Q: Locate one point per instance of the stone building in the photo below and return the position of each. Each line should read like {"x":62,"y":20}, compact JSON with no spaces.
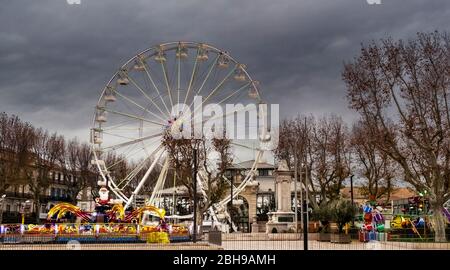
{"x":18,"y":195}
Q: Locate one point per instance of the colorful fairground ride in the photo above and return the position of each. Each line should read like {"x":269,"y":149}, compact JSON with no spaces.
{"x":412,"y":222}
{"x":109,"y":222}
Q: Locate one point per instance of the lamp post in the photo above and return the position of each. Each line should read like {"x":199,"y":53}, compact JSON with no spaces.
{"x":306,"y":218}
{"x":424,"y":210}
{"x":194,"y":180}
{"x":351,"y":195}
{"x":23,"y":211}
{"x":2,"y":199}
{"x":231,"y":190}
{"x":295,"y":188}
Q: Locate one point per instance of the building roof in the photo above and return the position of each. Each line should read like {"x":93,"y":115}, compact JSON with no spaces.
{"x":397,"y":193}
{"x":249,"y":163}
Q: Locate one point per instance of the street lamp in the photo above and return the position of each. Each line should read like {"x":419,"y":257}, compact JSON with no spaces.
{"x":23,"y":211}
{"x":424,"y":210}
{"x":194,"y":182}
{"x":351,"y":195}
{"x":1,"y":207}
{"x":295,"y":187}
{"x":306,"y":217}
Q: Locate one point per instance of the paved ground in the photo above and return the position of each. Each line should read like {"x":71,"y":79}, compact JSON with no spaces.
{"x":132,"y":246}
{"x":234,"y":245}
{"x":315,"y":245}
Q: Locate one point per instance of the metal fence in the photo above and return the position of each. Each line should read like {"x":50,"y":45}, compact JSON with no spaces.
{"x":356,"y":241}
{"x":131,"y":237}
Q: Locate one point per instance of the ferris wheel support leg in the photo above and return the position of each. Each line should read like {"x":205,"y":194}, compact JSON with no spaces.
{"x":144,"y":179}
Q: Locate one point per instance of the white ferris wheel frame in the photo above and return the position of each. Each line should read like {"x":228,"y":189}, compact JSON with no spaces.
{"x":102,"y":167}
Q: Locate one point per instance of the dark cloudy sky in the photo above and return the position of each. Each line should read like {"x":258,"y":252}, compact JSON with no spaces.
{"x":55,"y":58}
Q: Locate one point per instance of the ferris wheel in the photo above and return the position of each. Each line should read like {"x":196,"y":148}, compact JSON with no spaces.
{"x":136,"y":107}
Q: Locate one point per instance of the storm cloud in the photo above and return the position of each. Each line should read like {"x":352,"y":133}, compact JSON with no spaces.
{"x":55,"y":58}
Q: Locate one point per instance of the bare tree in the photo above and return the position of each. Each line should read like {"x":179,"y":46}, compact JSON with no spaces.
{"x":181,"y":153}
{"x":79,"y":173}
{"x":401,"y":90}
{"x":15,"y":145}
{"x":374,"y":167}
{"x":46,"y":150}
{"x":329,"y":148}
{"x":322,"y":150}
{"x":293,"y":138}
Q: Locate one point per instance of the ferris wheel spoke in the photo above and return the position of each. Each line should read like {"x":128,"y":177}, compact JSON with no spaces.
{"x":126,"y":156}
{"x":138,"y":105}
{"x":210,"y":69}
{"x":191,"y":80}
{"x":144,"y":178}
{"x":161,"y":181}
{"x":145,"y":94}
{"x":118,"y":136}
{"x":137,"y":169}
{"x":234,"y":93}
{"x":124,"y":183}
{"x":133,"y":116}
{"x":120,"y":145}
{"x":220,"y":84}
{"x":225,"y":99}
{"x":213,"y":64}
{"x":118,"y":126}
{"x":166,"y":80}
{"x":149,"y":76}
{"x":221,"y":116}
{"x":178,"y":79}
{"x":214,"y":90}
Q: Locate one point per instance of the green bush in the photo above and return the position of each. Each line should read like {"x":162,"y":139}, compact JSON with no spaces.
{"x":342,"y":212}
{"x":324,"y":215}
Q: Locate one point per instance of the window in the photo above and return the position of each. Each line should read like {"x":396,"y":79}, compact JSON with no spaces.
{"x":265,"y":172}
{"x":8,"y":208}
{"x":53,"y":192}
{"x":265,"y":202}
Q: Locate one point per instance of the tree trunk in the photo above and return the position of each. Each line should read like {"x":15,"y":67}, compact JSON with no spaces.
{"x":37,"y":203}
{"x":438,"y":221}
